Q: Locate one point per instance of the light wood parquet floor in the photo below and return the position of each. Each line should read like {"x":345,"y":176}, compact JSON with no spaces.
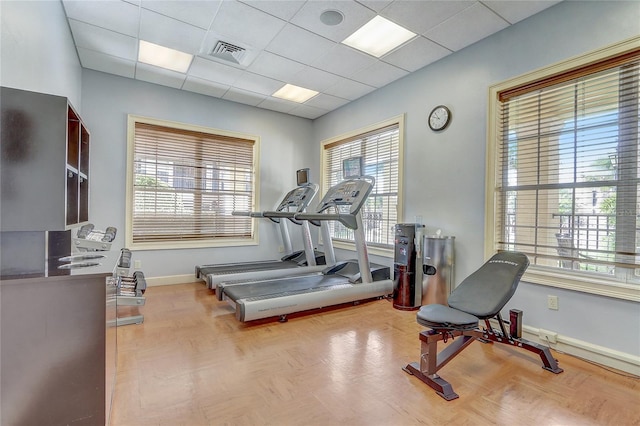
{"x":192,"y":363}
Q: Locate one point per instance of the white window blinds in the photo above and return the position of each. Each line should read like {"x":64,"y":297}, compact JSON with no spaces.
{"x":567,"y":168}
{"x":380,"y":149}
{"x":186,"y":184}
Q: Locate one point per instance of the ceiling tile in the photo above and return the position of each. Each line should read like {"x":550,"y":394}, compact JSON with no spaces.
{"x":298,"y":44}
{"x":278,"y":8}
{"x":467,"y":27}
{"x":157,"y":75}
{"x":204,"y":87}
{"x":275,"y":66}
{"x":355,"y":16}
{"x":116,"y":16}
{"x":326,"y":102}
{"x":421,"y":16}
{"x":516,"y":11}
{"x":343,"y":60}
{"x":275,"y":104}
{"x":257,"y":83}
{"x":416,"y":54}
{"x":199,"y":13}
{"x":104,"y":41}
{"x":243,"y":97}
{"x":244,"y":24}
{"x":349,"y":89}
{"x":162,"y":30}
{"x":110,"y":64}
{"x":376,"y":5}
{"x":314,"y":79}
{"x":307,"y":111}
{"x":380,"y":74}
{"x":214,"y":71}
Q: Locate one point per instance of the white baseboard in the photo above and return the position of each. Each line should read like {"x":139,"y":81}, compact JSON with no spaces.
{"x":597,"y":354}
{"x":171,"y":280}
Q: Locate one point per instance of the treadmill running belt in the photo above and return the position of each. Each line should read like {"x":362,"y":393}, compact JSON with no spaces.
{"x":264,"y":266}
{"x":264,"y":289}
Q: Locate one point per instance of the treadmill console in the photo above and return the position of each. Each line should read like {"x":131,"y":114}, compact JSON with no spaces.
{"x":298,"y":198}
{"x":350,"y":192}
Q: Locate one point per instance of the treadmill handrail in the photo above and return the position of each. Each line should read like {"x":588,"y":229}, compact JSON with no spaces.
{"x":254,"y":214}
{"x":288,"y":215}
{"x":250,"y":214}
{"x":347,"y":219}
{"x":281,"y":214}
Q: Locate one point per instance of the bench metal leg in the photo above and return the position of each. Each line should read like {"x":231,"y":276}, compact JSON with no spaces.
{"x":431,"y":361}
{"x":441,"y":386}
{"x":548,"y":361}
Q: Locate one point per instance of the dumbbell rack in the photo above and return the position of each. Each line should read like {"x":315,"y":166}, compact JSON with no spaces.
{"x":90,"y":239}
{"x":130,"y":292}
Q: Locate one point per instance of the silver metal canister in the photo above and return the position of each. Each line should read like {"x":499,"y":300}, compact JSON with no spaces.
{"x":437,"y":265}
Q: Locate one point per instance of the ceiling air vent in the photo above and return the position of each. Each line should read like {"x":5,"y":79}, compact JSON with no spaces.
{"x":228,"y":52}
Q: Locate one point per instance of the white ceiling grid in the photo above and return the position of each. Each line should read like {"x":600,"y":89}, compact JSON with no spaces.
{"x":285,"y":42}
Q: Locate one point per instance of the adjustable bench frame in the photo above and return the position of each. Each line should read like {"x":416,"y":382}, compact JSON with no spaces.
{"x":431,"y":361}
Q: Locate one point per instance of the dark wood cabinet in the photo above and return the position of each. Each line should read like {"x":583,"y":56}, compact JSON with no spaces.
{"x":57,"y":326}
{"x":54,"y":350}
{"x":45,"y":163}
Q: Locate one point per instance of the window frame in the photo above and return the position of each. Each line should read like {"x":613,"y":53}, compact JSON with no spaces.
{"x":353,"y":134}
{"x":193,"y":243}
{"x":571,"y":280}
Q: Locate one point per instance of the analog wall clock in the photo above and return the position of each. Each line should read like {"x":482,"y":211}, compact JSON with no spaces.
{"x":439,"y":118}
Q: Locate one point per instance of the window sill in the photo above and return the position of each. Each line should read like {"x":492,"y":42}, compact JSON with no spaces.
{"x":175,"y":245}
{"x":376,"y":251}
{"x":603,"y":286}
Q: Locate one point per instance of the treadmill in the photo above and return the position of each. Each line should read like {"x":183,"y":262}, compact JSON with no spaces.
{"x":304,"y":261}
{"x":344,"y":282}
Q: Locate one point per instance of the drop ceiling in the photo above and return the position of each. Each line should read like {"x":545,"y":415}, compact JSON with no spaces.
{"x":281,"y":41}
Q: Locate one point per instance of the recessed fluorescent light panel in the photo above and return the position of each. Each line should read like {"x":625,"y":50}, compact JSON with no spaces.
{"x":164,"y":57}
{"x":295,"y":93}
{"x":378,"y":36}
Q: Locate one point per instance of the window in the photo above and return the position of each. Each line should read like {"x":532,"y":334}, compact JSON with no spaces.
{"x":564,"y":178}
{"x":184,"y":182}
{"x":381,"y":147}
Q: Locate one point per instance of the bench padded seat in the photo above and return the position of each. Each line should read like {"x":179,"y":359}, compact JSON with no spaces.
{"x":443,"y":317}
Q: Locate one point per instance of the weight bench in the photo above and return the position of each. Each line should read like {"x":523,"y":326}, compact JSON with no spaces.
{"x":480,"y":296}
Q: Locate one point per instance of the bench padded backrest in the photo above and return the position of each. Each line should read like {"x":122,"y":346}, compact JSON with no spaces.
{"x":485,"y":292}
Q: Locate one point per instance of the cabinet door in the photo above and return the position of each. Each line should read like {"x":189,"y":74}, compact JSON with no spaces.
{"x":53,"y":351}
{"x":33,"y":162}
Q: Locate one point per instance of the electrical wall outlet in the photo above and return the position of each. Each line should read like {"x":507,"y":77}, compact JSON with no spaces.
{"x":280,"y":249}
{"x":547,"y":336}
{"x":552,"y":302}
{"x":137,"y":264}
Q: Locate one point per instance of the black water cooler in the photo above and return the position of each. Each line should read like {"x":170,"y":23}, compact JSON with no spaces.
{"x":406,"y":287}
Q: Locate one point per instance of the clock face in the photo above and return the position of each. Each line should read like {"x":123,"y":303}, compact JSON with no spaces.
{"x":439,"y":118}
